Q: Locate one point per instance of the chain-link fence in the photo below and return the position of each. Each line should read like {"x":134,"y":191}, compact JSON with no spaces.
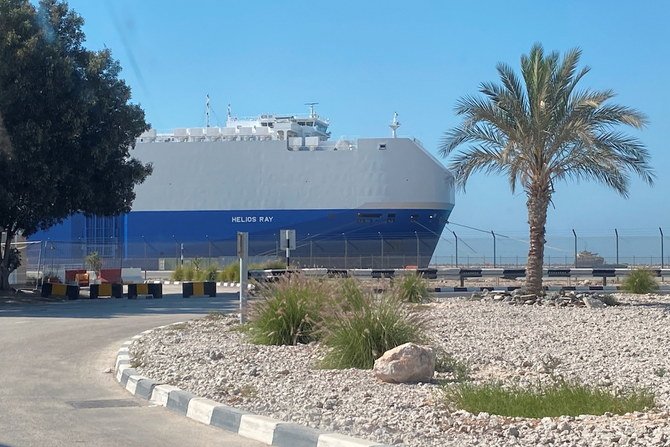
{"x":620,"y":248}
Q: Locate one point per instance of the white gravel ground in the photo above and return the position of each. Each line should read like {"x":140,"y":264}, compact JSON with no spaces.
{"x":616,"y":348}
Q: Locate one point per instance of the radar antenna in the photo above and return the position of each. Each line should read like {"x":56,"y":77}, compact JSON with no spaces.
{"x":311,"y":108}
{"x":394,"y":124}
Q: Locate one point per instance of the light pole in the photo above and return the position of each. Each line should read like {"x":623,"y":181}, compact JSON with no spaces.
{"x":311,"y":259}
{"x":345,"y":249}
{"x":417,"y":249}
{"x":382,"y":248}
{"x":145,"y":257}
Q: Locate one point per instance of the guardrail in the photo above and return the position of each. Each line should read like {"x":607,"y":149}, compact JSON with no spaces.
{"x":453,"y":273}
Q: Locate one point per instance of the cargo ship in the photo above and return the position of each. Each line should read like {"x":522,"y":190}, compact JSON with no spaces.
{"x":365,"y":203}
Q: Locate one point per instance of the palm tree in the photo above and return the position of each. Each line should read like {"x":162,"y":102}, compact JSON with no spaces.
{"x":542,"y":129}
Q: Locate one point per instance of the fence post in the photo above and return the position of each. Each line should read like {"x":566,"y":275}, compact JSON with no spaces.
{"x":417,"y":249}
{"x":661,"y":231}
{"x":616,"y":235}
{"x":456,"y":239}
{"x":575,"y":235}
{"x":494,"y":248}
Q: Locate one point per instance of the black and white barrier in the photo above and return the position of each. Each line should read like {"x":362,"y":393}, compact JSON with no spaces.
{"x":453,"y":273}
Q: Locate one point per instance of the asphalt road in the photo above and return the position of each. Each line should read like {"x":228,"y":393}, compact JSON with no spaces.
{"x":53,"y":388}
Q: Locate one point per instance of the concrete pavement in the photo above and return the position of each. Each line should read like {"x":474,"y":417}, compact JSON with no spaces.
{"x":53,"y":391}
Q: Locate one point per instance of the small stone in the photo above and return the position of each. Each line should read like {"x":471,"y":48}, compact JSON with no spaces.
{"x":513,"y":431}
{"x":564,"y":427}
{"x":108,"y":371}
{"x":592,"y":303}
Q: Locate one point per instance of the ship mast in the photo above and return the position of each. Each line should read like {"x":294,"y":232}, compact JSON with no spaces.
{"x":311,"y":108}
{"x":394,"y":124}
{"x":207,"y":110}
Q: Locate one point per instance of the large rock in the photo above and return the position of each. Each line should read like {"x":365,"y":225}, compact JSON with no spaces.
{"x":406,"y":363}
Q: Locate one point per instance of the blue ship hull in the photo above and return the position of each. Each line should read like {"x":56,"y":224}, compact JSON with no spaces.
{"x":371,"y":238}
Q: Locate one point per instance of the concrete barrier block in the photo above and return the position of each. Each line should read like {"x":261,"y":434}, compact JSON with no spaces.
{"x":294,"y":435}
{"x":161,"y":393}
{"x":228,"y":418}
{"x":145,"y":388}
{"x":132,"y":382}
{"x":337,"y":440}
{"x":178,"y":401}
{"x":200,"y":409}
{"x":259,"y":428}
{"x":121,"y":367}
{"x":125,"y":375}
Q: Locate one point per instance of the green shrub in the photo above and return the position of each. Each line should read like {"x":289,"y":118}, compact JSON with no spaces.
{"x":290,"y":313}
{"x":362,"y":326}
{"x":189,"y":273}
{"x":445,"y":363}
{"x":230,"y":273}
{"x":640,"y":281}
{"x":211,"y":273}
{"x":559,"y":399}
{"x":178,"y":274}
{"x":412,"y":289}
{"x":94,"y":261}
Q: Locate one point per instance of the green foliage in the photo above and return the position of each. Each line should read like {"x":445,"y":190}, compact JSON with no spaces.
{"x":290,"y":312}
{"x":189,"y":273}
{"x":640,"y":281}
{"x":559,"y":399}
{"x":445,"y":363}
{"x":94,"y":261}
{"x":211,"y":273}
{"x":178,"y":274}
{"x":66,"y":123}
{"x":14,"y":260}
{"x":413,"y":289}
{"x":539,"y":129}
{"x":361,"y":326}
{"x":609,"y":300}
{"x":230,"y":273}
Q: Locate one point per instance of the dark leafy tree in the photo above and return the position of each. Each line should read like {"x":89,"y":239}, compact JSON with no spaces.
{"x":66,"y":124}
{"x":539,"y":130}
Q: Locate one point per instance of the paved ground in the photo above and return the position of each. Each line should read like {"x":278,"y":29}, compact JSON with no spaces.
{"x":53,"y":391}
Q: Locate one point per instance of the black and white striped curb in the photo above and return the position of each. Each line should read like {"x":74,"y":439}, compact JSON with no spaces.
{"x":260,"y":428}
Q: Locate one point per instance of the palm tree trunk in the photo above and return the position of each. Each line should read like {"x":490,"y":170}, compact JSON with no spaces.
{"x":537,"y":204}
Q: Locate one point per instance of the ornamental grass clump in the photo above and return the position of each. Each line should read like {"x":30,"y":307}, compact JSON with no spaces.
{"x":290,"y":313}
{"x":361,"y":326}
{"x":413,"y":289}
{"x":640,"y":281}
{"x":178,"y":274}
{"x":558,"y":399}
{"x":210,"y":273}
{"x":230,"y":273}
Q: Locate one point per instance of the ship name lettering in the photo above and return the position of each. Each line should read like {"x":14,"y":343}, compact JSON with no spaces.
{"x":252,"y":219}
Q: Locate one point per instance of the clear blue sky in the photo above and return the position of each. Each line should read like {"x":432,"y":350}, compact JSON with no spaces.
{"x":364,"y":60}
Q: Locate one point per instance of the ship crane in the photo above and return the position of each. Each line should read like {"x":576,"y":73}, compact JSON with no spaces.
{"x":394,"y":125}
